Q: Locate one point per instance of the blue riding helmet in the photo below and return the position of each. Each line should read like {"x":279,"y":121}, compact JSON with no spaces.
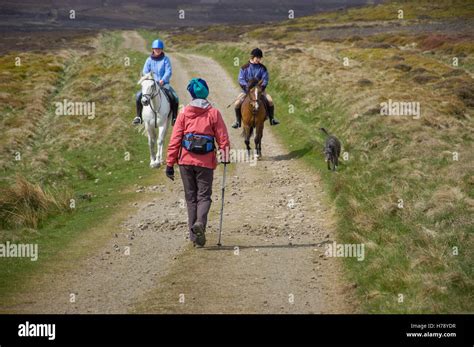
{"x":158,"y":44}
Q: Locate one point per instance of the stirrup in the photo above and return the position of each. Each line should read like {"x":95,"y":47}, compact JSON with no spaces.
{"x":137,"y":121}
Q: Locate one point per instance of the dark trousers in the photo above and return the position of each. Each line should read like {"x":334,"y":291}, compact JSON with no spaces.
{"x":138,"y":103}
{"x":197,"y":183}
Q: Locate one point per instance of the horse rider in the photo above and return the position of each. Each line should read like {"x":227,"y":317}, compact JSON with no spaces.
{"x":254,"y":69}
{"x":160,"y":65}
{"x":199,"y":127}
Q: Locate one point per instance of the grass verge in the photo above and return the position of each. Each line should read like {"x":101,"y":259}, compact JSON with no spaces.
{"x":87,"y":167}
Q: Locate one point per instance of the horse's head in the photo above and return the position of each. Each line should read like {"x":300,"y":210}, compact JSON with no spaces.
{"x":255,"y":92}
{"x":149,"y":88}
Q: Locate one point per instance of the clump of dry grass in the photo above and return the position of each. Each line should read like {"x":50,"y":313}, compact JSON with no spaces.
{"x":23,"y":104}
{"x":444,"y":199}
{"x":25,"y":204}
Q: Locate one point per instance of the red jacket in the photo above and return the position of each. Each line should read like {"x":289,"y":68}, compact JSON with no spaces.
{"x":196,"y":120}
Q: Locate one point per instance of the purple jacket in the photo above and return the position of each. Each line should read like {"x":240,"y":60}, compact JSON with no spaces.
{"x":253,"y":71}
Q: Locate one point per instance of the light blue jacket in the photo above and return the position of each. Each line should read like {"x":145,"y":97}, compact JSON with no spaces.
{"x":161,"y":67}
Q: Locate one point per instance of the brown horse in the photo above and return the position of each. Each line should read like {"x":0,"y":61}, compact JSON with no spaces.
{"x":253,"y":116}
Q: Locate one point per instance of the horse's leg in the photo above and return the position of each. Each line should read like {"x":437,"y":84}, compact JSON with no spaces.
{"x":161,"y":140}
{"x":152,"y":143}
{"x":258,"y":140}
{"x":256,"y":146}
{"x":247,"y":138}
{"x":247,"y":143}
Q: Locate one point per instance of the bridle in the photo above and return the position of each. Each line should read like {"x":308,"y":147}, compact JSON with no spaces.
{"x":155,"y":91}
{"x":254,"y":102}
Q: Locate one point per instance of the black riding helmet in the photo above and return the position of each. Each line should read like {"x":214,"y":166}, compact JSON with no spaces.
{"x":256,"y":52}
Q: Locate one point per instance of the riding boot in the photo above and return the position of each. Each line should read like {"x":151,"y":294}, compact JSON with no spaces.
{"x":174,"y":112}
{"x":238,"y":119}
{"x":138,"y":118}
{"x":273,"y":120}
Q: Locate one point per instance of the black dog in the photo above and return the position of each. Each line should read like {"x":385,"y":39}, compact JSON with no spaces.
{"x":332,"y":150}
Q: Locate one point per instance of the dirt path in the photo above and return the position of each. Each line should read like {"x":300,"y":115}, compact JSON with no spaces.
{"x":133,"y":40}
{"x":275,"y":228}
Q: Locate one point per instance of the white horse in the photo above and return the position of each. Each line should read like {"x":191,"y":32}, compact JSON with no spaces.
{"x":156,"y":108}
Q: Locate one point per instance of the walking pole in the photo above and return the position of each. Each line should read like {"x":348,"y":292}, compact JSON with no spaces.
{"x":222,"y":206}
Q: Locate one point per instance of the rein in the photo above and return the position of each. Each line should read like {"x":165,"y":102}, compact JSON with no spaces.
{"x":257,"y":100}
{"x":155,"y":92}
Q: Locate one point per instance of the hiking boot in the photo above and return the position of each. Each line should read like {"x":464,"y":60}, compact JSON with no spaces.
{"x":238,"y":119}
{"x":137,"y":120}
{"x":273,"y":120}
{"x":200,"y":232}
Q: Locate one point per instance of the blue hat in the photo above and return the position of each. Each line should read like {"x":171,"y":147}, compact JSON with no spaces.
{"x":158,"y":44}
{"x":198,"y":88}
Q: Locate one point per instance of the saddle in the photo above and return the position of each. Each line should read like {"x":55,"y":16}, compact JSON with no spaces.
{"x":170,"y":98}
